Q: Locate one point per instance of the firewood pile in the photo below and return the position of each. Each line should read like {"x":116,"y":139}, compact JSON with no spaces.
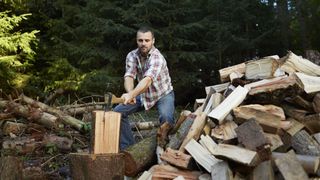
{"x":261,"y":122}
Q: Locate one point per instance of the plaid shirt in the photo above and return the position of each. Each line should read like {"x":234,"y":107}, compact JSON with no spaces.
{"x":155,"y":67}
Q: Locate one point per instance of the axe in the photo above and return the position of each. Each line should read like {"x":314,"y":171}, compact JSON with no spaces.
{"x":110,"y":99}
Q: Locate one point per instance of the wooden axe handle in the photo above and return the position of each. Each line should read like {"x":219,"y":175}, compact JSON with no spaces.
{"x":116,"y":100}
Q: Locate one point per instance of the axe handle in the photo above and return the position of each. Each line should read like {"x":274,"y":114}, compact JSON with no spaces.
{"x":116,"y":100}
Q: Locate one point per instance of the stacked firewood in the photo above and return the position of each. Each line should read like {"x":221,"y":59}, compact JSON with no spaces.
{"x":262,"y":122}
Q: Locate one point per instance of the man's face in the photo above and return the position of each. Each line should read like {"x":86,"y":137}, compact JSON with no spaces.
{"x":145,"y":42}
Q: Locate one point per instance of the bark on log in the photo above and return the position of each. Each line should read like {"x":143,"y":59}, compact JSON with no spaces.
{"x":178,"y":159}
{"x":13,"y":127}
{"x":97,"y":166}
{"x":10,"y":168}
{"x":177,"y":138}
{"x":61,"y":143}
{"x":183,"y":116}
{"x":5,"y":116}
{"x":69,"y":120}
{"x":304,"y":144}
{"x":140,"y":156}
{"x":316,"y":103}
{"x":36,"y":115}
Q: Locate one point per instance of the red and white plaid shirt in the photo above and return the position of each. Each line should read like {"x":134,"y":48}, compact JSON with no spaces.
{"x":155,"y":67}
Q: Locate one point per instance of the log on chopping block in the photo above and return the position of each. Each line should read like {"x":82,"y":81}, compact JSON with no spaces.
{"x":178,"y":158}
{"x":177,"y":138}
{"x":140,"y":156}
{"x":251,"y":135}
{"x":309,"y":163}
{"x":106,"y":132}
{"x":97,"y":166}
{"x":290,"y":167}
{"x":263,"y":171}
{"x":304,"y":144}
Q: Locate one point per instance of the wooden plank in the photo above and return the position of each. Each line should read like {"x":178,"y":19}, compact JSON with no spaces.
{"x":97,"y":166}
{"x":290,"y":167}
{"x":221,"y":171}
{"x":201,"y":155}
{"x":263,"y":171}
{"x":225,"y":72}
{"x":233,"y":100}
{"x":232,"y":152}
{"x":106,"y":132}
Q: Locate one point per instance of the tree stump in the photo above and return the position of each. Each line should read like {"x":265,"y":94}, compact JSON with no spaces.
{"x":97,"y":166}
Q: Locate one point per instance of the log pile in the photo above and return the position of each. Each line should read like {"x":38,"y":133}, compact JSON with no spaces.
{"x":263,"y":121}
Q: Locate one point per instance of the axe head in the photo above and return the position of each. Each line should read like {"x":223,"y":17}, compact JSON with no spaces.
{"x":110,"y":99}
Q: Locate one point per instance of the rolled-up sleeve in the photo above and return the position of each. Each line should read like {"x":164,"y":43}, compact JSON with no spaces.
{"x":154,"y":67}
{"x":131,"y":66}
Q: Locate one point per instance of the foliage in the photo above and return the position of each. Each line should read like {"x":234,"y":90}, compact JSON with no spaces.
{"x":16,"y":53}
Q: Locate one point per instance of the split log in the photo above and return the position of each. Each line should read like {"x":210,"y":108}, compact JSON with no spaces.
{"x":317,"y":137}
{"x":183,"y":116}
{"x":251,"y":135}
{"x":233,"y":100}
{"x":286,"y":139}
{"x":178,"y":158}
{"x":275,"y":141}
{"x":11,"y":168}
{"x":106,"y":132}
{"x":308,"y":83}
{"x":309,"y":163}
{"x":304,"y":144}
{"x":269,"y":122}
{"x":13,"y":127}
{"x":213,"y":102}
{"x":177,"y":138}
{"x":195,"y":130}
{"x":300,"y":101}
{"x":316,"y":103}
{"x":290,"y":167}
{"x":161,"y":172}
{"x":263,"y":171}
{"x":201,"y":155}
{"x":217,"y":88}
{"x":69,"y":120}
{"x":294,"y":63}
{"x":225,"y":132}
{"x":140,"y":156}
{"x":295,"y":126}
{"x":36,"y":115}
{"x":232,"y":152}
{"x":221,"y":171}
{"x":97,"y":166}
{"x":163,"y":134}
{"x":261,"y":69}
{"x":198,"y":103}
{"x":225,"y":72}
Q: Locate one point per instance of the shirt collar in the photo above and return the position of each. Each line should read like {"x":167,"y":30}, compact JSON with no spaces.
{"x":150,"y":52}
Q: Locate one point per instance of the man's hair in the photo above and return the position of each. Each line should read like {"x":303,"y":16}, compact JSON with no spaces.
{"x":145,"y":29}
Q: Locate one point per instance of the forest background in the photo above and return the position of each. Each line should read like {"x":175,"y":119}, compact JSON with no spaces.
{"x":79,"y":46}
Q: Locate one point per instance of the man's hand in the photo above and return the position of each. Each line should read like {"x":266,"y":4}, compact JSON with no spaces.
{"x":128,"y":98}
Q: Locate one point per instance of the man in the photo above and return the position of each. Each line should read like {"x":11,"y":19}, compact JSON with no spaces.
{"x":149,"y":67}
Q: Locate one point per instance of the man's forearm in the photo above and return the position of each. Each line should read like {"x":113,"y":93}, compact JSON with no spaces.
{"x":141,"y":87}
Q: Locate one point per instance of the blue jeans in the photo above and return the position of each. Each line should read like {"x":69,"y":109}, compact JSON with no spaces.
{"x":165,"y":106}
